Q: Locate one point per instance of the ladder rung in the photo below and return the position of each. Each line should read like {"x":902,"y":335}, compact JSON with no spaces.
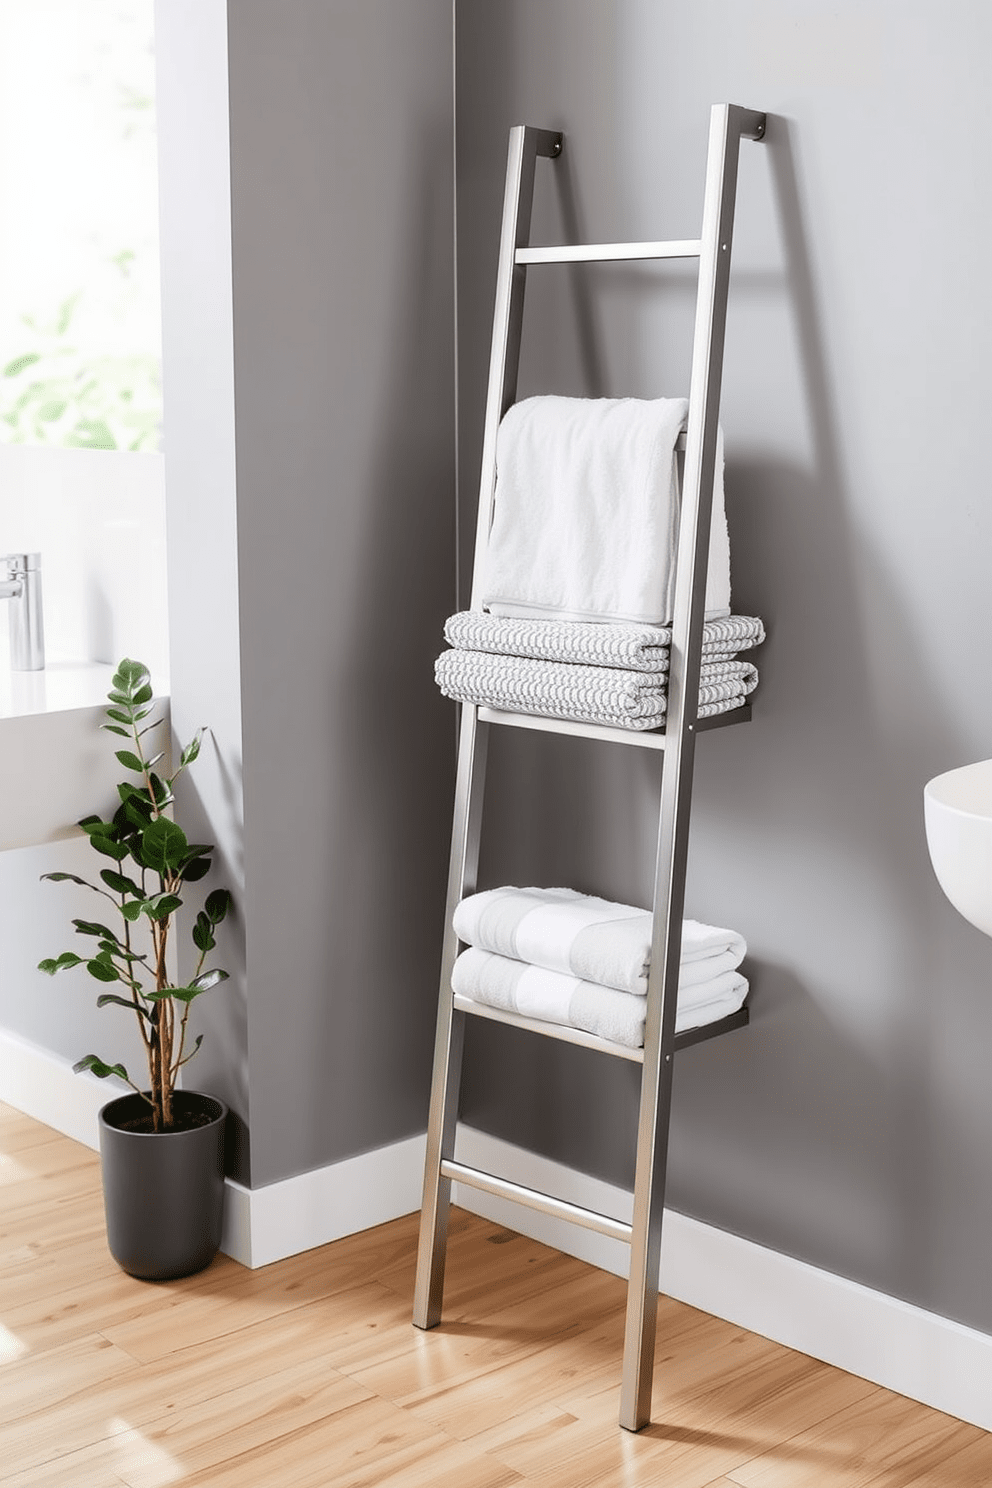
{"x":608,"y":252}
{"x":558,"y":1208}
{"x":549,"y":1030}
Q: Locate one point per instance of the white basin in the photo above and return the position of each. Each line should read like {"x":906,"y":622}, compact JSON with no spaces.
{"x":957,"y":809}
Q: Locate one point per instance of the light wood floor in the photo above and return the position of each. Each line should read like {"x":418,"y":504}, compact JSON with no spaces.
{"x":308,"y":1373}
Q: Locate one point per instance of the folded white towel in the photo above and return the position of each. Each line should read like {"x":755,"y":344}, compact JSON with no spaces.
{"x":535,"y":992}
{"x":640,"y":648}
{"x":585,"y":694}
{"x":583,"y":936}
{"x":587,"y":508}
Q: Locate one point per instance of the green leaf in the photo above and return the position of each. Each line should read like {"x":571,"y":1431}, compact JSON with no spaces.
{"x":209,"y":979}
{"x":161,"y":906}
{"x":144,"y":694}
{"x":91,"y":824}
{"x":202,"y":934}
{"x":93,"y":927}
{"x":101,"y":1070}
{"x":164,"y":845}
{"x":191,"y":751}
{"x":116,"y":850}
{"x":180,"y":994}
{"x":52,"y":409}
{"x":72,"y":878}
{"x":62,"y":963}
{"x":112,"y":728}
{"x":101,"y":968}
{"x":196,"y":869}
{"x":114,"y":948}
{"x":160,"y":791}
{"x":123,"y":1002}
{"x":19,"y":364}
{"x":196,"y":849}
{"x":132,"y":910}
{"x":120,"y":883}
{"x":130,"y":675}
{"x":217,"y":905}
{"x":137,"y":811}
{"x":118,"y":716}
{"x":129,"y":760}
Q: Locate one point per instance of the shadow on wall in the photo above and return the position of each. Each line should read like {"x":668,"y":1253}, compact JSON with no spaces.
{"x":221,"y":1063}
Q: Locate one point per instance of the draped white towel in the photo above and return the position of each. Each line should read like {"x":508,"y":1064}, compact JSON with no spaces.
{"x":552,"y":997}
{"x":586,"y":513}
{"x":585,"y":937}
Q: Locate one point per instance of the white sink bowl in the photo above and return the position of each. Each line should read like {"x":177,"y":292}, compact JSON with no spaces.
{"x":957,"y":810}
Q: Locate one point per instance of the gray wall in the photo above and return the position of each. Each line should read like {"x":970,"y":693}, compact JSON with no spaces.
{"x":341,"y":189}
{"x":307,"y":263}
{"x":849,"y":1124}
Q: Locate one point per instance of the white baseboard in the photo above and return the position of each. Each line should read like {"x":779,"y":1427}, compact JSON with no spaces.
{"x":267,"y":1224}
{"x":916,"y":1353}
{"x":42,"y":1085}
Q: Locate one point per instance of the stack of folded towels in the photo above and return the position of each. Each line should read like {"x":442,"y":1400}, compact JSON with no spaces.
{"x":579,"y":577}
{"x":573,"y":959}
{"x":613,"y":674}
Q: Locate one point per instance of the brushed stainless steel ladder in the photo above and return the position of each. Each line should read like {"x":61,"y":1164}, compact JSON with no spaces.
{"x":729,"y":124}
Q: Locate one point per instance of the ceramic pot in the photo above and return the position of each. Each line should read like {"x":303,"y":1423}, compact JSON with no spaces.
{"x":163,"y":1192}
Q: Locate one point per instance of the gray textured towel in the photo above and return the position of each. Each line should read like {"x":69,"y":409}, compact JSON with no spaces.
{"x":614,"y":696}
{"x":639,"y":648}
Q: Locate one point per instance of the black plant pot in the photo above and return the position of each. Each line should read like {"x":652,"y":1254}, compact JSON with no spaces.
{"x":163,"y":1191}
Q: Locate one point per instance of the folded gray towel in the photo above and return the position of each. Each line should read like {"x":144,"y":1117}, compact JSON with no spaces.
{"x":587,"y":694}
{"x":641,"y":648}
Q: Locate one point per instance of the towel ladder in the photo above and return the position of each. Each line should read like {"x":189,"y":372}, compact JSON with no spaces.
{"x":728,"y":126}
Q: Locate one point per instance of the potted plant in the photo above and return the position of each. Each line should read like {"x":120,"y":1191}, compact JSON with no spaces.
{"x":162,"y":1148}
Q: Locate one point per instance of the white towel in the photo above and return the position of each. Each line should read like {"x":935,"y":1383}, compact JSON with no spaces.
{"x":587,"y":508}
{"x":585,"y":937}
{"x":551,"y":997}
{"x":639,"y":648}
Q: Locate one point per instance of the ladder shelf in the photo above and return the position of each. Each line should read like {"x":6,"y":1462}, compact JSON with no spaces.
{"x":642,"y":738}
{"x":569,"y":1035}
{"x":728,"y":126}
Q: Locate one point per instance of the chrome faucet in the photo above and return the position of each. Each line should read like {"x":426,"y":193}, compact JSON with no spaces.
{"x":20,"y":582}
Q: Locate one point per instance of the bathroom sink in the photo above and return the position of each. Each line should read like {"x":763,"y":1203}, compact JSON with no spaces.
{"x":957,"y":809}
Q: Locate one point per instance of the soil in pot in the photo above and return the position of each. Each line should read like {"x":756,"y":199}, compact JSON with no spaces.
{"x":163,"y":1191}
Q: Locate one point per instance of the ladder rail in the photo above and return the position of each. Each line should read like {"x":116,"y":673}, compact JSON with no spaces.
{"x":450,"y":1035}
{"x":525,"y":146}
{"x":728,"y":124}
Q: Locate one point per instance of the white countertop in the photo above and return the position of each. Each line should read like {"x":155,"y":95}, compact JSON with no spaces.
{"x":56,"y":763}
{"x":61,"y":687}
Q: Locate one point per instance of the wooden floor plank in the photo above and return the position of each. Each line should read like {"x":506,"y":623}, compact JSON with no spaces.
{"x":880,"y":1438}
{"x":309,"y":1372}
